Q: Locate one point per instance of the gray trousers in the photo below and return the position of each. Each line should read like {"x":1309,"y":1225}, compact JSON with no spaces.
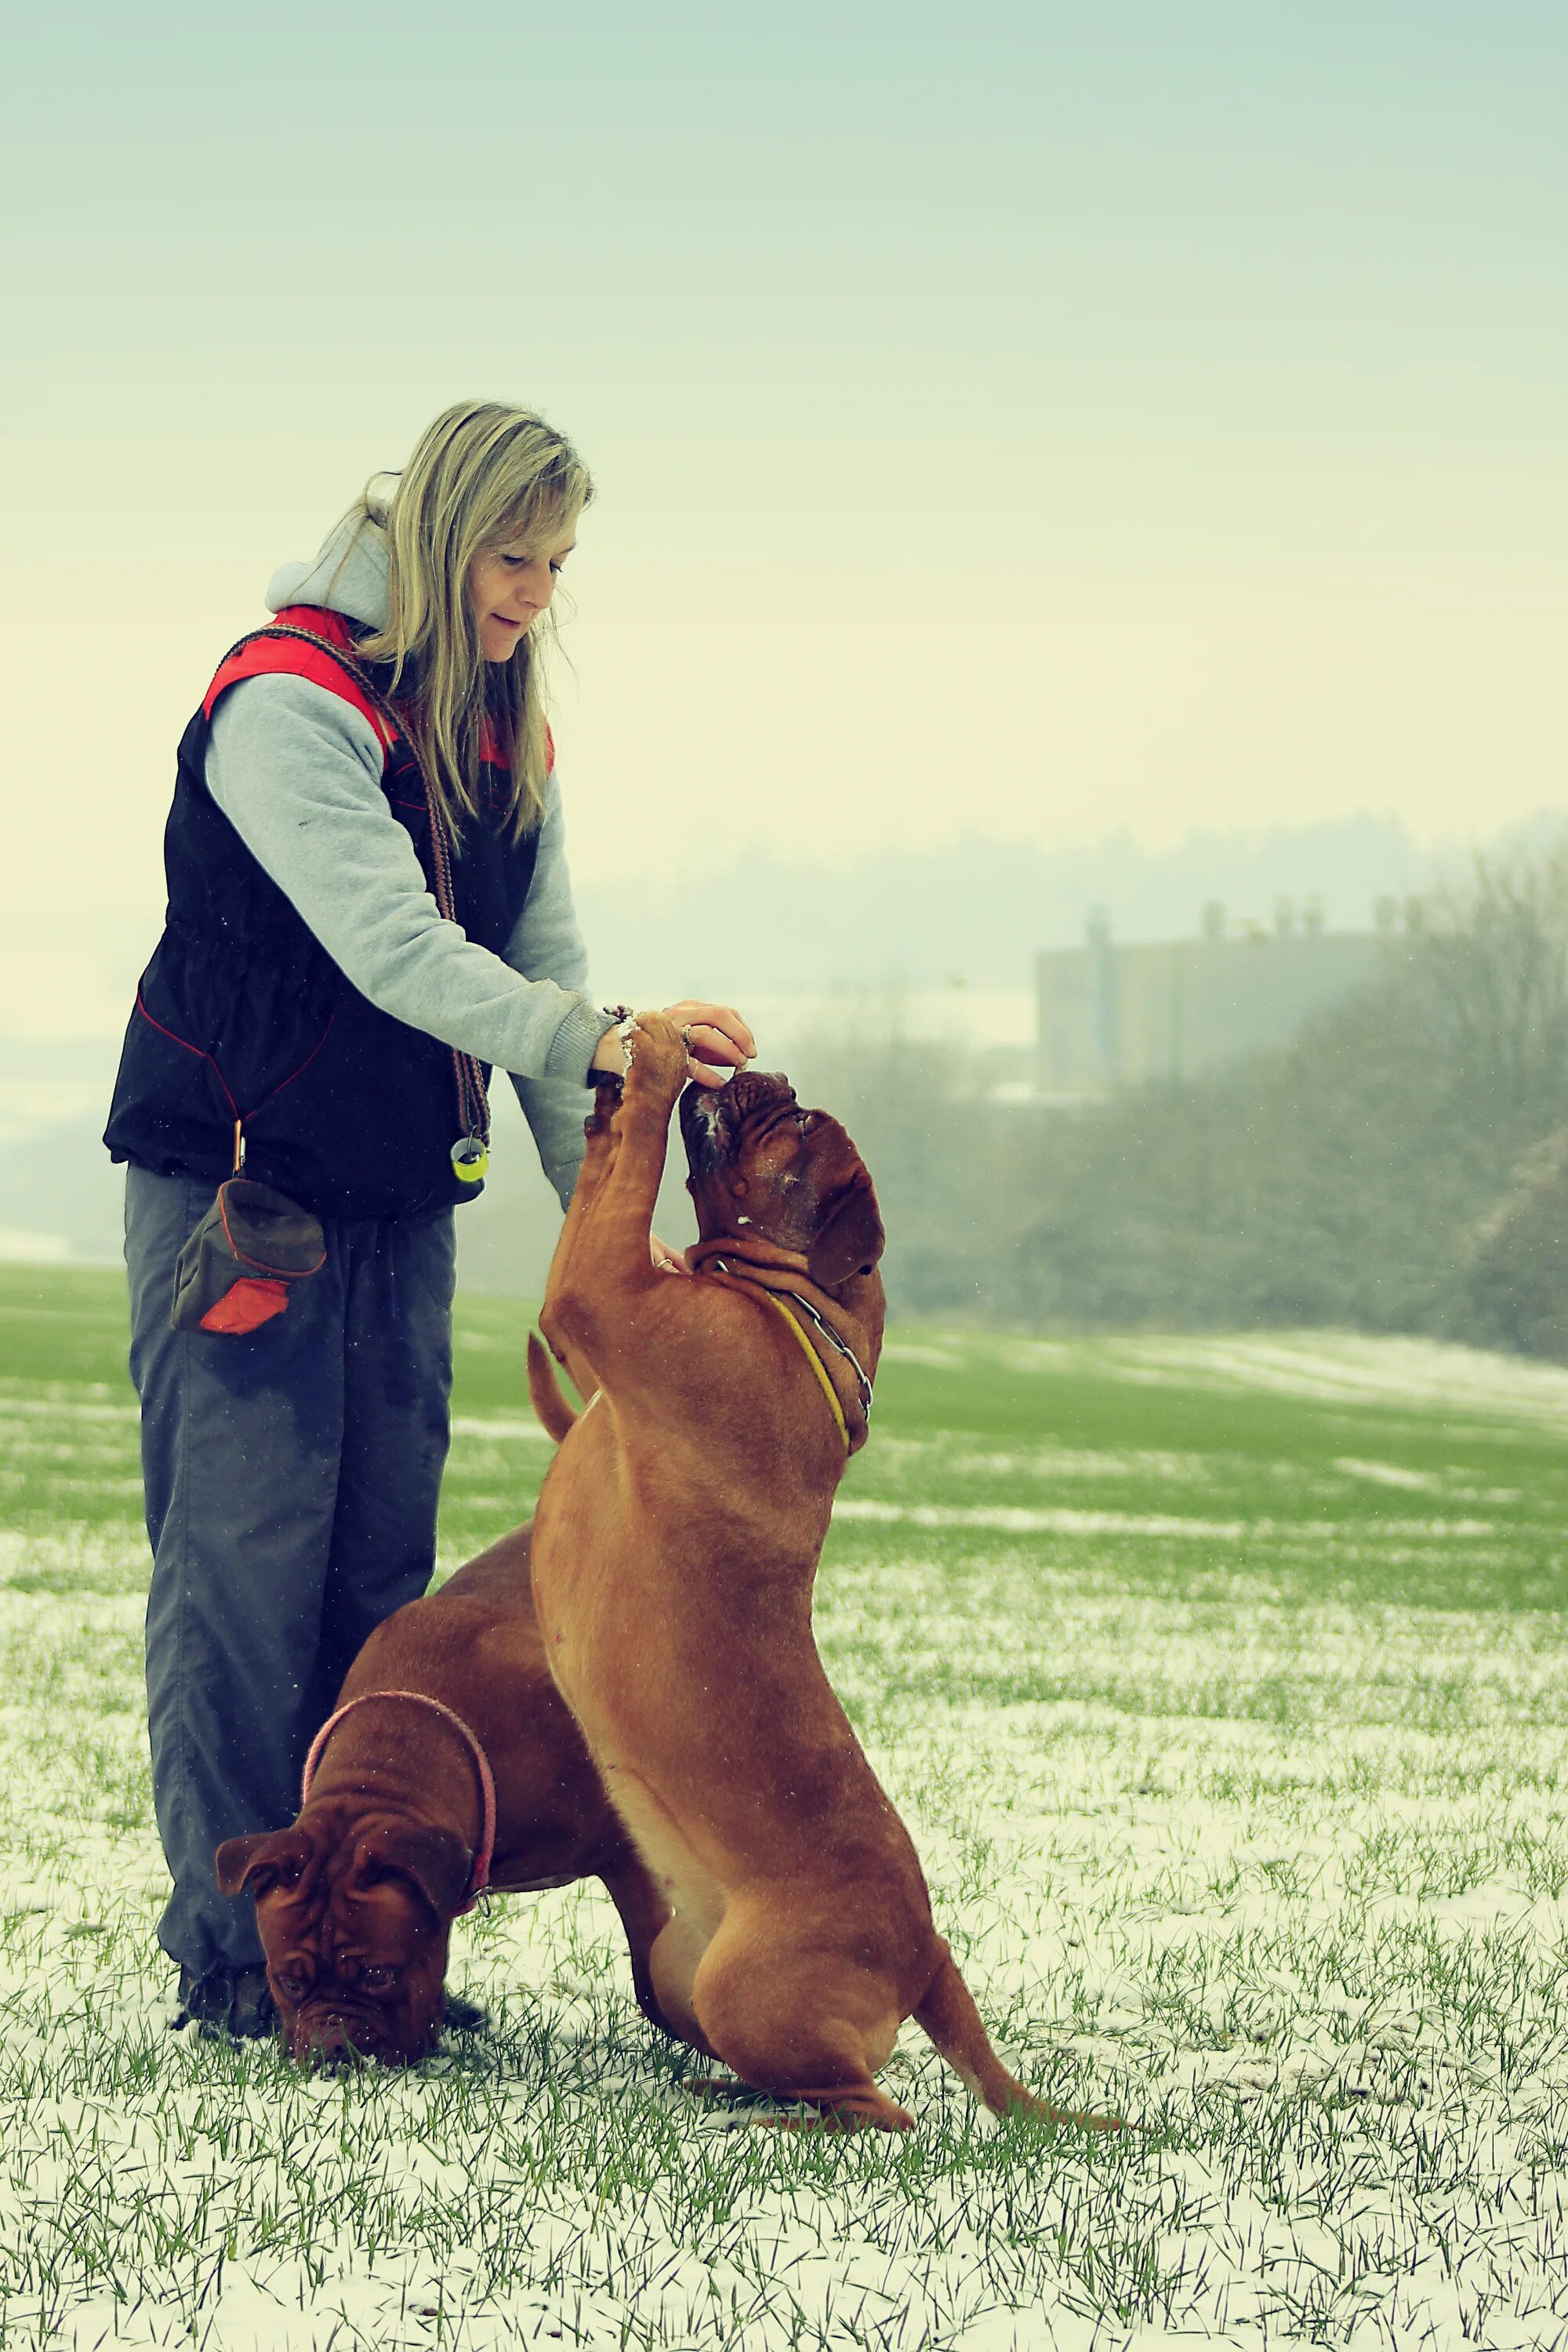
{"x":292,"y":1477}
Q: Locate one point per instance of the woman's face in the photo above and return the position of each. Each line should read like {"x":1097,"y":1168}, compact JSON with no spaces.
{"x":508,"y":587}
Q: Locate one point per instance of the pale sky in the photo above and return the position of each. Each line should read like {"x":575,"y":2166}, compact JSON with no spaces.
{"x":1031,"y":419}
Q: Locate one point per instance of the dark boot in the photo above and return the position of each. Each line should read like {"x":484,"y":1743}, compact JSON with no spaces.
{"x":226,"y":2005}
{"x":461,"y":2016}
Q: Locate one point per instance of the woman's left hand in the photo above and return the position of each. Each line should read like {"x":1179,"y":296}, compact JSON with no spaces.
{"x":718,"y":1042}
{"x":665,"y":1259}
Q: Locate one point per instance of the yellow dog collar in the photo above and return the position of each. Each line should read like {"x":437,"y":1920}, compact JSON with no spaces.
{"x":815,"y":1361}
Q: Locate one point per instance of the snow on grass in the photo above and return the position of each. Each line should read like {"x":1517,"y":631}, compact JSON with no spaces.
{"x":1349,"y":1366}
{"x":919,"y":1455}
{"x":1016,"y":1519}
{"x":1251,"y":1826}
{"x":1390,"y":1474}
{"x":513,"y":1428}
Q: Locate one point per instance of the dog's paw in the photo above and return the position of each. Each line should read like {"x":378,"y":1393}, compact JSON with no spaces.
{"x":657,"y":1052}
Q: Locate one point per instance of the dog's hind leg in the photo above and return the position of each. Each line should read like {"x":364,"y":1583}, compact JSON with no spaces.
{"x":644,"y":1915}
{"x":836,"y":2110}
{"x":673,"y":1958}
{"x":948,"y":2015}
{"x":807,"y":2027}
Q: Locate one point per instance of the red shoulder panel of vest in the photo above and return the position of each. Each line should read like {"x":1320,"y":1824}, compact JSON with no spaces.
{"x":291,"y":657}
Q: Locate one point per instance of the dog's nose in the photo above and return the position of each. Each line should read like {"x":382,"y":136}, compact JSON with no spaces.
{"x":331,"y":2043}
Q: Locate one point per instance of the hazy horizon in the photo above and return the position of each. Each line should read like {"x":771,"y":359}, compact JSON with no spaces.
{"x":970,"y":913}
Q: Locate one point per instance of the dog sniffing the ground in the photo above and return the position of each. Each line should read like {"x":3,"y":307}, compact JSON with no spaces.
{"x":448,"y":1700}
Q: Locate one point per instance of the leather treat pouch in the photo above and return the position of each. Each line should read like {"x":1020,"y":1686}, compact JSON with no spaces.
{"x":238,"y":1266}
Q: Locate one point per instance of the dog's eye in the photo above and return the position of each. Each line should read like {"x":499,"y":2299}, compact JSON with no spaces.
{"x":291,"y":1984}
{"x":378,"y":1979}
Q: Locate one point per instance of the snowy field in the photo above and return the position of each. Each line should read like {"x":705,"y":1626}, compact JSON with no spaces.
{"x":1223,"y":1683}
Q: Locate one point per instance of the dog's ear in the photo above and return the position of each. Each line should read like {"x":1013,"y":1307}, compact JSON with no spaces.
{"x":437,"y":1862}
{"x":254,"y":1865}
{"x":849,"y":1239}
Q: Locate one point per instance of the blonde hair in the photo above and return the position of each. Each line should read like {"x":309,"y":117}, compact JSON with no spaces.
{"x":483,"y":477}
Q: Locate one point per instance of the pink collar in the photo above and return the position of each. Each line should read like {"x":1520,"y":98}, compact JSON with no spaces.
{"x":480,"y":1876}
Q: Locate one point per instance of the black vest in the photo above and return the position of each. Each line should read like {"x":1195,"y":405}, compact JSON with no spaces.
{"x":242,"y":1019}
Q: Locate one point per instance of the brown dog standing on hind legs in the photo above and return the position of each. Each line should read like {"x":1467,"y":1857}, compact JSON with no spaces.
{"x":675,"y":1542}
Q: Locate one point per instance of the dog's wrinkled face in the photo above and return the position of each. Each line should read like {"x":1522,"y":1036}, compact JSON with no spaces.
{"x":355,"y":1918}
{"x":760,"y":1162}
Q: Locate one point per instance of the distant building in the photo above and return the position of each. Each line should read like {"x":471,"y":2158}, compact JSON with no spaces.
{"x":1112,"y":1015}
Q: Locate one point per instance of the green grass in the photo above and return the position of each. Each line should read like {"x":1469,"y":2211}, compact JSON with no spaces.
{"x":1223,"y":1685}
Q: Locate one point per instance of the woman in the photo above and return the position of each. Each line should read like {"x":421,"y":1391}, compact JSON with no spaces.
{"x":368,"y":900}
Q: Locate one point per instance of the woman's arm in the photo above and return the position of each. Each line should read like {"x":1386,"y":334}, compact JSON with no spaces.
{"x":296,"y":770}
{"x":547,"y":944}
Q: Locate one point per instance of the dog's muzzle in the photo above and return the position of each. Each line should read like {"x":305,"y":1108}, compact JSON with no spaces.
{"x":712,"y":1118}
{"x":339,"y":2034}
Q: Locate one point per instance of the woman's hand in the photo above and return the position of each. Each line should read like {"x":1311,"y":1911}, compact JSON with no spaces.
{"x":718,"y":1042}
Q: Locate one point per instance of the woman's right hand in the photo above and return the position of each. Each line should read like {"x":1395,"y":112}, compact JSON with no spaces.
{"x":718,"y":1043}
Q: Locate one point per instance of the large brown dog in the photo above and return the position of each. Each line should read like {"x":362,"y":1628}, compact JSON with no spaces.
{"x":356,"y":1902}
{"x":675,"y":1542}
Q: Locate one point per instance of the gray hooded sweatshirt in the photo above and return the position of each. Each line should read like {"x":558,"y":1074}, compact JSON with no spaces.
{"x":296,"y":771}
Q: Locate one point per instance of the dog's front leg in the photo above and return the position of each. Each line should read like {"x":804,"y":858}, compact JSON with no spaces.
{"x":596,"y":1158}
{"x":608,"y":1269}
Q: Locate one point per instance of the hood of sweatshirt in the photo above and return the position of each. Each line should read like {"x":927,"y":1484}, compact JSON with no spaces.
{"x":348,"y":576}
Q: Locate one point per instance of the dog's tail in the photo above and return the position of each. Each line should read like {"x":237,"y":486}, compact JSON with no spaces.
{"x":545,"y":1391}
{"x":949,"y":2016}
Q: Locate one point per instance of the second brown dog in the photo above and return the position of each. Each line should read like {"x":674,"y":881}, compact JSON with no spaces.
{"x":355,"y":1900}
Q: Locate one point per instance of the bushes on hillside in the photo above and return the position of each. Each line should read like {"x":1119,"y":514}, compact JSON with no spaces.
{"x":1401,"y":1166}
{"x":1519,"y":1256}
